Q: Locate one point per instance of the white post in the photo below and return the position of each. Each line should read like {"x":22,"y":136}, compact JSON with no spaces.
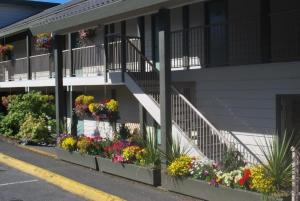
{"x":295,"y":175}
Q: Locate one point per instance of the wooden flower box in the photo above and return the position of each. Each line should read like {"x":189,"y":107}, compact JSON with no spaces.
{"x":77,"y":158}
{"x":203,"y":190}
{"x":130,"y":171}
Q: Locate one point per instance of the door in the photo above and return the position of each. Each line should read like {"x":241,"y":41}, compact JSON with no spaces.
{"x":216,"y":30}
{"x":290,"y":114}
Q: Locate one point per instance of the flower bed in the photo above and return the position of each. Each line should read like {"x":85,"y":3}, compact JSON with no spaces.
{"x":134,"y":172}
{"x":77,"y":158}
{"x":228,"y":179}
{"x":203,"y":190}
{"x":131,"y":157}
{"x":81,"y":150}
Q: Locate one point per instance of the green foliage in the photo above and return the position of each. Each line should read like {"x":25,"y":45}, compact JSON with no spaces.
{"x":176,"y":151}
{"x":20,"y":106}
{"x":34,"y":130}
{"x":124,"y":133}
{"x":278,"y":165}
{"x":152,"y":154}
{"x":232,"y":160}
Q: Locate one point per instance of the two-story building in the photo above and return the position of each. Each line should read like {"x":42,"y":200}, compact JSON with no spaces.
{"x":218,"y":73}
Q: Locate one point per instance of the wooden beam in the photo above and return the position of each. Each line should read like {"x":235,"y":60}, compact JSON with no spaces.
{"x":141,"y":27}
{"x":28,"y":54}
{"x":123,"y":49}
{"x":186,"y":35}
{"x":165,"y":80}
{"x":70,"y":57}
{"x":106,"y":52}
{"x":59,"y":90}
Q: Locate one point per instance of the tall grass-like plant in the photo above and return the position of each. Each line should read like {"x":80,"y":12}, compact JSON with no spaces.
{"x":176,"y":151}
{"x":278,"y":161}
{"x":152,"y":156}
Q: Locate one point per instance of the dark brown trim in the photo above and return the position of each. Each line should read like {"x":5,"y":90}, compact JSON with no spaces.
{"x":265,"y":27}
{"x":186,"y":35}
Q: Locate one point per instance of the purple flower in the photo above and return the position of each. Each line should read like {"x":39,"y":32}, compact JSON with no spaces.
{"x":205,"y":173}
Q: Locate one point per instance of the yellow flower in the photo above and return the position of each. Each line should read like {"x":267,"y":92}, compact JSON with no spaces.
{"x":88,"y":100}
{"x":112,"y":105}
{"x":260,"y":181}
{"x":180,"y":166}
{"x":129,"y":153}
{"x":69,"y":143}
{"x":93,"y":107}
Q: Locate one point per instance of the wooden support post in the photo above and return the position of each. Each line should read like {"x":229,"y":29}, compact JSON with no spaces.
{"x":70,"y":56}
{"x":165,"y":80}
{"x":59,"y":89}
{"x":28,"y":54}
{"x":143,"y":121}
{"x":106,"y":53}
{"x":123,"y":49}
{"x":141,"y":27}
{"x":186,"y":36}
{"x":265,"y":24}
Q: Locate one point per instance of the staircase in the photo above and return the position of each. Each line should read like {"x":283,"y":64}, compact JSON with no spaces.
{"x":188,"y":124}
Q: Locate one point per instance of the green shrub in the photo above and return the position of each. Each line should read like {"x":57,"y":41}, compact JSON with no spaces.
{"x":34,"y":130}
{"x":19,"y":106}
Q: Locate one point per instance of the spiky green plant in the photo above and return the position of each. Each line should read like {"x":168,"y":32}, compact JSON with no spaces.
{"x":176,"y":150}
{"x":278,"y":160}
{"x":152,"y":156}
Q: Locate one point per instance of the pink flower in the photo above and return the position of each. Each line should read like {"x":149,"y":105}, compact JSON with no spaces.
{"x":117,"y":158}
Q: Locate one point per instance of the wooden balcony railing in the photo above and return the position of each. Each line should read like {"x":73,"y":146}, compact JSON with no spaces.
{"x":87,"y":61}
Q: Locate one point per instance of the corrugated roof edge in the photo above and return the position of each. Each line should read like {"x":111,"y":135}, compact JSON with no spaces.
{"x":23,"y":25}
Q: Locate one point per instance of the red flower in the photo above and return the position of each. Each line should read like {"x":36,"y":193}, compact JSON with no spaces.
{"x":245,"y":178}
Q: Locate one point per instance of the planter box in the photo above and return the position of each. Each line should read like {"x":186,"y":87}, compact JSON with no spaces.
{"x":130,"y":171}
{"x":77,"y":158}
{"x":203,"y":190}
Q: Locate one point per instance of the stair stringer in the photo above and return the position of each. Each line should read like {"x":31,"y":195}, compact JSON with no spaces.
{"x":153,"y":109}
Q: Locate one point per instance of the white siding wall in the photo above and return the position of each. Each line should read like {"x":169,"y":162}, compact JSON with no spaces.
{"x":242,"y":99}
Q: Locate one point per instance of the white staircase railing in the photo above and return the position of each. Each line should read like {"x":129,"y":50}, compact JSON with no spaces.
{"x":211,"y":142}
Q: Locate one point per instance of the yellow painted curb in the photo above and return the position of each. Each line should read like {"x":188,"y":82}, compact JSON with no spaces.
{"x":38,"y":151}
{"x":67,"y":184}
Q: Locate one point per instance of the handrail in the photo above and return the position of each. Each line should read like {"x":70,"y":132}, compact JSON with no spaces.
{"x":40,"y":55}
{"x":219,"y":137}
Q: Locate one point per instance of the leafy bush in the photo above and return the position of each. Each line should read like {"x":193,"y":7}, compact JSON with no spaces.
{"x":34,"y":130}
{"x":20,"y":106}
{"x":232,"y":160}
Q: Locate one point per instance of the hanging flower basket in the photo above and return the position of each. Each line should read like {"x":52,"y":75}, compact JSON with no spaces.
{"x":43,"y":41}
{"x":82,"y":103}
{"x":86,"y":33}
{"x":6,"y":51}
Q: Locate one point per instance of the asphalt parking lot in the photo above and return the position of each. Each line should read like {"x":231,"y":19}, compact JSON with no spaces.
{"x":18,"y":186}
